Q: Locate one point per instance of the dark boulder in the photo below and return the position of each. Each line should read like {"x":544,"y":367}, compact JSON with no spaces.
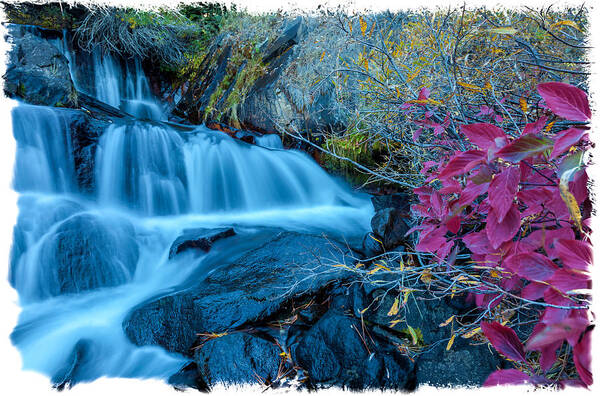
{"x":86,"y":253}
{"x":336,"y":351}
{"x":390,"y":226}
{"x":199,"y":238}
{"x":371,"y":245}
{"x":400,"y":201}
{"x":289,"y":37}
{"x":38,"y":73}
{"x":248,"y":289}
{"x":238,"y":358}
{"x":464,"y":364}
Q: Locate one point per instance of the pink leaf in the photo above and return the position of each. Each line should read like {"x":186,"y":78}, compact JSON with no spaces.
{"x":548,"y":355}
{"x":432,"y":240}
{"x":499,"y":232}
{"x":574,"y":254}
{"x":566,"y":100}
{"x":578,"y":186}
{"x":461,"y":163}
{"x":454,"y":224}
{"x":506,"y":377}
{"x":503,"y":189}
{"x":526,"y":146}
{"x":582,"y":357}
{"x":505,"y":340}
{"x":424,"y":93}
{"x":531,"y":266}
{"x":565,"y":140}
{"x":482,"y":135}
{"x":471,"y":193}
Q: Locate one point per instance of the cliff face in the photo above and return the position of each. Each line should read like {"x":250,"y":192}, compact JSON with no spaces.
{"x":279,"y":77}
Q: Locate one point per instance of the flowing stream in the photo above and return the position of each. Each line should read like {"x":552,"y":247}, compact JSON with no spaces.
{"x":81,"y":260}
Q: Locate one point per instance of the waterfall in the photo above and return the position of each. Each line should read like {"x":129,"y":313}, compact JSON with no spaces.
{"x":81,"y":262}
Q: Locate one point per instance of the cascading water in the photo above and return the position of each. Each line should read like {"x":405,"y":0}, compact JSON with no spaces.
{"x":81,"y":262}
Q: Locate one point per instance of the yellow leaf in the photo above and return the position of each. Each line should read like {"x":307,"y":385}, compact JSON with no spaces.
{"x":350,"y":26}
{"x":496,"y":274}
{"x":322,"y":56}
{"x":450,"y":342}
{"x":395,"y":308}
{"x":364,"y":310}
{"x":549,"y":126}
{"x":469,"y":87}
{"x":471,"y":333}
{"x":413,"y":334}
{"x":571,"y":203}
{"x":406,"y":295}
{"x":523,"y":104}
{"x":447,"y":322}
{"x":426,"y":276}
{"x":397,"y":92}
{"x":394,"y":322}
{"x":363,"y":25}
{"x":504,"y":30}
{"x":565,"y":23}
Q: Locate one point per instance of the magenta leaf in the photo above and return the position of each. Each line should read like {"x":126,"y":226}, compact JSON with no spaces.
{"x":504,"y":340}
{"x":534,"y":128}
{"x":471,"y":192}
{"x":499,"y":232}
{"x":574,"y":254}
{"x":506,"y":377}
{"x":569,"y":329}
{"x":478,"y":242}
{"x":567,"y":280}
{"x":534,"y":291}
{"x":432,"y":240}
{"x":503,"y":189}
{"x":582,"y":357}
{"x":565,"y":140}
{"x":482,"y":135}
{"x":531,"y":266}
{"x":548,"y":355}
{"x":566,"y":100}
{"x":462,"y":163}
{"x":526,"y":146}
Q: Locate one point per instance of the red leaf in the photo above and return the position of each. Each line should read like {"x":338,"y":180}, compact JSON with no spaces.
{"x":565,"y":140}
{"x":548,"y":355}
{"x":482,"y":135}
{"x":524,"y":147}
{"x":566,"y":280}
{"x":499,"y":232}
{"x":432,"y":240}
{"x":549,"y":238}
{"x":462,"y":163}
{"x":505,"y":340}
{"x":574,"y":254}
{"x":578,"y":186}
{"x":506,"y":377}
{"x":566,"y":100}
{"x":454,"y":224}
{"x":582,"y":357}
{"x":531,"y":266}
{"x":569,"y":329}
{"x":503,"y":189}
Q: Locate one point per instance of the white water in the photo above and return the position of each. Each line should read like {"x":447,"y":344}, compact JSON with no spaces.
{"x":151,"y":182}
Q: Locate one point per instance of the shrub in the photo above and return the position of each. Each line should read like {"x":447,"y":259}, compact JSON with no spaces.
{"x":519,"y":205}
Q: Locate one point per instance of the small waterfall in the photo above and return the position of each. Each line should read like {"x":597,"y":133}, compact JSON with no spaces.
{"x":44,"y":159}
{"x":81,"y":262}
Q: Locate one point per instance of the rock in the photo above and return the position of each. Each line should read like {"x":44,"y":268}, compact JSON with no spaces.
{"x":38,"y":73}
{"x":68,"y":375}
{"x":390,"y":226}
{"x":333,"y":353}
{"x":371,"y":246}
{"x":400,"y":201}
{"x":463,"y":364}
{"x":238,"y":358}
{"x":199,"y":238}
{"x":248,"y":289}
{"x":86,"y":253}
{"x":289,"y":37}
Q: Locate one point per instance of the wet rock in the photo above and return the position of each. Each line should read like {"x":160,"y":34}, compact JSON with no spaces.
{"x":248,"y":289}
{"x":389,"y":225}
{"x":199,"y":238}
{"x":333,"y":353}
{"x":38,"y":73}
{"x":400,"y":201}
{"x":68,"y":375}
{"x":371,"y":246}
{"x":87,"y":253}
{"x":238,"y":358}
